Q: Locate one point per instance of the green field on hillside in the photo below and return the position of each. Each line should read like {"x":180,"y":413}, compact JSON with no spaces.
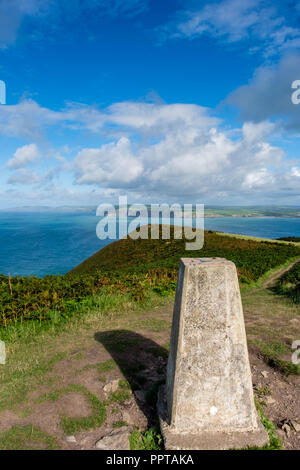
{"x":134,"y":268}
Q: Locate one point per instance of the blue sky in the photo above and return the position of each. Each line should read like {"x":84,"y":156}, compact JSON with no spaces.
{"x":173,"y":101}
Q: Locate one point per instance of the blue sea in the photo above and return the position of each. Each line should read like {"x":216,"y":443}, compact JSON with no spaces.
{"x":41,"y":243}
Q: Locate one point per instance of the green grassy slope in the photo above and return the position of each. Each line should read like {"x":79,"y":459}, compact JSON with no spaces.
{"x":252,"y":258}
{"x":132,"y":268}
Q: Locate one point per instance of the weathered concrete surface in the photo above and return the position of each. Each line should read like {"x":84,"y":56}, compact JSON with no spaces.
{"x":208,"y":402}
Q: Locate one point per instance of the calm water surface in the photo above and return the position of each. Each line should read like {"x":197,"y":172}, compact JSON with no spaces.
{"x":53,"y":243}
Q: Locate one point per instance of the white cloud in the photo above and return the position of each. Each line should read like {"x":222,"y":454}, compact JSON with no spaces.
{"x":23,"y":156}
{"x":159,"y":118}
{"x":192,"y":160}
{"x":26,"y":119}
{"x":24,"y":176}
{"x":269,"y":27}
{"x":295,"y":171}
{"x":29,"y":120}
{"x":113,"y":164}
{"x":268,"y":94}
{"x":166,"y":151}
{"x":258,"y":179}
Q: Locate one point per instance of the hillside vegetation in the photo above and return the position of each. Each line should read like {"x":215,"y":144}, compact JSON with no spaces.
{"x":135,"y":268}
{"x":289,"y":284}
{"x":87,"y":352}
{"x":252,"y":258}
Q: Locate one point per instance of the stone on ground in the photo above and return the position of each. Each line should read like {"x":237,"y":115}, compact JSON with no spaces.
{"x":117,"y":440}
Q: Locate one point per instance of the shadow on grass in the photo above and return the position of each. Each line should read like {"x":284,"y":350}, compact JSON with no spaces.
{"x":143,"y":365}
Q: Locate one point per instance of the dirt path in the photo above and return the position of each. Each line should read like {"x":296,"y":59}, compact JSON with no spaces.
{"x":280,"y":273}
{"x":273,"y":278}
{"x":95,"y":383}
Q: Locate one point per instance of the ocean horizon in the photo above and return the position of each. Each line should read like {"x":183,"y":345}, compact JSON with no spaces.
{"x":41,"y":243}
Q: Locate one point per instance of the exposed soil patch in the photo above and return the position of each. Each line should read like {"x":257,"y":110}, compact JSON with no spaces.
{"x":279,"y":396}
{"x":112,"y":378}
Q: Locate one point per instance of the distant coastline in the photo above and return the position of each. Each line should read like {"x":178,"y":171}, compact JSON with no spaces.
{"x":210,"y":211}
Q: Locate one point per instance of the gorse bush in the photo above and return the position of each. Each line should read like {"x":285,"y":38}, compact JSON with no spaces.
{"x":252,"y":258}
{"x":128,"y":267}
{"x":32,"y":298}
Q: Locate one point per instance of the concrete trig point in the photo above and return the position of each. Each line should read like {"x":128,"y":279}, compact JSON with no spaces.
{"x":208,"y":401}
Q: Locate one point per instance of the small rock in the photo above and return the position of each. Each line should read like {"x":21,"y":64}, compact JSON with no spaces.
{"x":270,"y":401}
{"x":295,"y":425}
{"x":285,"y":427}
{"x":264,"y":373}
{"x":116,"y":441}
{"x":111,"y":386}
{"x":71,"y":439}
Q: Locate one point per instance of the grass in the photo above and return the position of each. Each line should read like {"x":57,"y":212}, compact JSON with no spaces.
{"x":289,"y":284}
{"x":125,"y":275}
{"x":19,"y":378}
{"x":152,"y":324}
{"x":148,"y":440}
{"x":35,"y":348}
{"x":272,"y":326}
{"x":252,"y":258}
{"x":106,"y":366}
{"x":124,"y":384}
{"x":119,"y":396}
{"x":119,"y":424}
{"x":285,"y":367}
{"x":271,"y":351}
{"x":26,"y":438}
{"x":103,"y":303}
{"x":263,"y":391}
{"x":126,"y":268}
{"x":101,"y":367}
{"x":284,"y":240}
{"x":72,"y":426}
{"x":275,"y":443}
{"x":31,"y":358}
{"x":258,"y":283}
